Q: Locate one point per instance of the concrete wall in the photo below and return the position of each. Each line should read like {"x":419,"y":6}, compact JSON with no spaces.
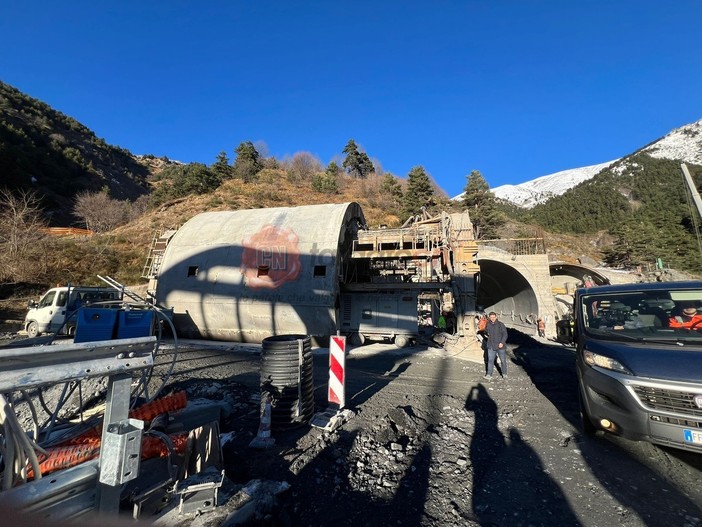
{"x":249,"y":274}
{"x":518,"y":288}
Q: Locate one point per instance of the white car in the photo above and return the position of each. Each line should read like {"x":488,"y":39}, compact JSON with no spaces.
{"x":56,"y":309}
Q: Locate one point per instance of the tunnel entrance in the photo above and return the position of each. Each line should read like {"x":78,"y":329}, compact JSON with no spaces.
{"x":506,"y":291}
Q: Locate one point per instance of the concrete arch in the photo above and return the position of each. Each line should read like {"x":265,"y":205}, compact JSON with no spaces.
{"x":518,"y":288}
{"x":566,"y":273}
{"x":506,"y":291}
{"x":248,"y":274}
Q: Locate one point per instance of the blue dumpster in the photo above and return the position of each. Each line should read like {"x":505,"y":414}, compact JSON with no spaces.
{"x":135,"y":323}
{"x":95,"y":323}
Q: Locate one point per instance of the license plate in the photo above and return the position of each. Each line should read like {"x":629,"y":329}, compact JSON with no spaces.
{"x":692,"y":436}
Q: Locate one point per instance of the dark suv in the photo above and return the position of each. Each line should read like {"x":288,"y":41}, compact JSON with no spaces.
{"x":639,"y":361}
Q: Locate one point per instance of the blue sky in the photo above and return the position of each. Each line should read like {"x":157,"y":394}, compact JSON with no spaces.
{"x":516,"y":89}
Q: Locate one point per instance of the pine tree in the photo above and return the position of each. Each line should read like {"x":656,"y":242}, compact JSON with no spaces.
{"x":326,"y":181}
{"x":392,"y":192}
{"x":356,"y":163}
{"x":419,"y":193}
{"x":248,"y":162}
{"x":482,"y":207}
{"x":221,"y":167}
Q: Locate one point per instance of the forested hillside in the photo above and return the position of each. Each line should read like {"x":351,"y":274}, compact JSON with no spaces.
{"x":642,"y":201}
{"x":55,"y":171}
{"x":46,"y":151}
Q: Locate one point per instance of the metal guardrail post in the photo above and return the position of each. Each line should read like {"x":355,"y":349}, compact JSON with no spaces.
{"x":116,"y":411}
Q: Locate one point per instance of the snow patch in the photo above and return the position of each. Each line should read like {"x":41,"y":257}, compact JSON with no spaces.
{"x":683,"y":144}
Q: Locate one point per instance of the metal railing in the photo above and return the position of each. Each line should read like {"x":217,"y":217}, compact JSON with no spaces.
{"x":516,"y":246}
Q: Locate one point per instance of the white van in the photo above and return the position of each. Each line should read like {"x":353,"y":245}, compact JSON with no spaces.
{"x":57,"y":308}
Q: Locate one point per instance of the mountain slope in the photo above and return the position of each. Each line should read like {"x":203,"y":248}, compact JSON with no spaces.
{"x":544,"y":188}
{"x":46,"y":151}
{"x":682,"y":144}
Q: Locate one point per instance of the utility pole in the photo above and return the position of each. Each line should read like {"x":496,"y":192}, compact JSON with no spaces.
{"x":695,"y":197}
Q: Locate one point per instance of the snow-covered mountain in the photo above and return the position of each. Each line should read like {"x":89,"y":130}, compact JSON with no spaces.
{"x":542,"y":188}
{"x":683,"y":144}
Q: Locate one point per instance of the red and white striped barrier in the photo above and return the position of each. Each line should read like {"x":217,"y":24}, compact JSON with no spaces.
{"x":337,"y":371}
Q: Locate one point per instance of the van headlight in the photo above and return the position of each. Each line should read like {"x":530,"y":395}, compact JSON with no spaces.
{"x":593,"y":359}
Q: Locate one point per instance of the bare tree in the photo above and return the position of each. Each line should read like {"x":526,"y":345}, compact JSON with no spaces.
{"x":303,"y":166}
{"x":138,"y":207}
{"x":21,"y":236}
{"x":99,"y":212}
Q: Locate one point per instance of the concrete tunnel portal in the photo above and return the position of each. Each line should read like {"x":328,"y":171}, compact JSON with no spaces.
{"x":522,"y":288}
{"x":503,"y":289}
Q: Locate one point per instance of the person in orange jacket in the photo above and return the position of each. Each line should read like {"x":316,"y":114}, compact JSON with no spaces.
{"x":689,"y":319}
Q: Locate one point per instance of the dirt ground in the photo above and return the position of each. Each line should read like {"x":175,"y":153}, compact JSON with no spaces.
{"x":429,"y":442}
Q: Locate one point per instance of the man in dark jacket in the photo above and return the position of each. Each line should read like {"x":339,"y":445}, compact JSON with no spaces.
{"x":496,"y":345}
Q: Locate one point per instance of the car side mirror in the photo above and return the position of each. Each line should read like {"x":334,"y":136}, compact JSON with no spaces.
{"x":32,"y":304}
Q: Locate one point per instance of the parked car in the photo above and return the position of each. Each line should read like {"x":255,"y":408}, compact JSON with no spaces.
{"x":639,"y":361}
{"x":55,"y":310}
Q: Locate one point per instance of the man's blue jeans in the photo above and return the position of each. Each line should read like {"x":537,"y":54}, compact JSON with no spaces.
{"x":492,"y":354}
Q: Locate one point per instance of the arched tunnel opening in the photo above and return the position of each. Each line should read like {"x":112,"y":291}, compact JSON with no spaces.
{"x":519,"y":302}
{"x":504,"y":290}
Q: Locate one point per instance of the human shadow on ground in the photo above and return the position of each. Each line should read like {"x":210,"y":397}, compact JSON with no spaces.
{"x":320,"y":496}
{"x":624,"y":468}
{"x":330,"y":490}
{"x":510,"y":484}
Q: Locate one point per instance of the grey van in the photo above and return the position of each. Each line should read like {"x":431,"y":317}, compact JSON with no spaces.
{"x":639,"y":361}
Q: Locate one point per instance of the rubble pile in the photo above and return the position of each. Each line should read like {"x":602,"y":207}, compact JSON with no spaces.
{"x":414,"y":462}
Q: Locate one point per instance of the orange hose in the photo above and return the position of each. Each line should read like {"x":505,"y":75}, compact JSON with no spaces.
{"x":169,"y":403}
{"x":152,"y":446}
{"x":146,"y":412}
{"x":61,"y":457}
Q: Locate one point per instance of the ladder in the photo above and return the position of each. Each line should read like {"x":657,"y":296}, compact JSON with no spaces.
{"x":158,"y":247}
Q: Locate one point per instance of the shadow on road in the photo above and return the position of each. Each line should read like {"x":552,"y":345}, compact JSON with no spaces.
{"x":624,"y":468}
{"x":510,"y":485}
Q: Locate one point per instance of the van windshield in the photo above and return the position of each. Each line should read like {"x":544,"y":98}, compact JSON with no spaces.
{"x":646,"y":315}
{"x":47,"y":299}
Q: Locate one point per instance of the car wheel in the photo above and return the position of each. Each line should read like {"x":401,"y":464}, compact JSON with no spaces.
{"x":588,"y":427}
{"x":357,"y":339}
{"x":401,"y":341}
{"x":32,"y":330}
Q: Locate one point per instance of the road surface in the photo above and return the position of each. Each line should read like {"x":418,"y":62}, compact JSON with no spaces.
{"x":431,"y":442}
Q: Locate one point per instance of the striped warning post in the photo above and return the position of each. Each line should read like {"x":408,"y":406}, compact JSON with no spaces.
{"x":337,"y":370}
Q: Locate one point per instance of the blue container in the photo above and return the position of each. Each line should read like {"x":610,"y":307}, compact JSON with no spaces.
{"x":135,"y":323}
{"x":95,"y":323}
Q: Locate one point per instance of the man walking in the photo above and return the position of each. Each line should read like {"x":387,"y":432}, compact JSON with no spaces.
{"x":496,"y":345}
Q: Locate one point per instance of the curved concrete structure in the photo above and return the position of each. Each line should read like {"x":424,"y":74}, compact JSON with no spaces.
{"x":574,"y":273}
{"x":246,"y":275}
{"x":520,"y":288}
{"x":517,"y":288}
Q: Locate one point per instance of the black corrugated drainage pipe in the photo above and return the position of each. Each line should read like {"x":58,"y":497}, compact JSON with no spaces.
{"x":287,"y":376}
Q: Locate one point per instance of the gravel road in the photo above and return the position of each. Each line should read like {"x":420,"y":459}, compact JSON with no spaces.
{"x":429,"y":442}
{"x":432,"y":443}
